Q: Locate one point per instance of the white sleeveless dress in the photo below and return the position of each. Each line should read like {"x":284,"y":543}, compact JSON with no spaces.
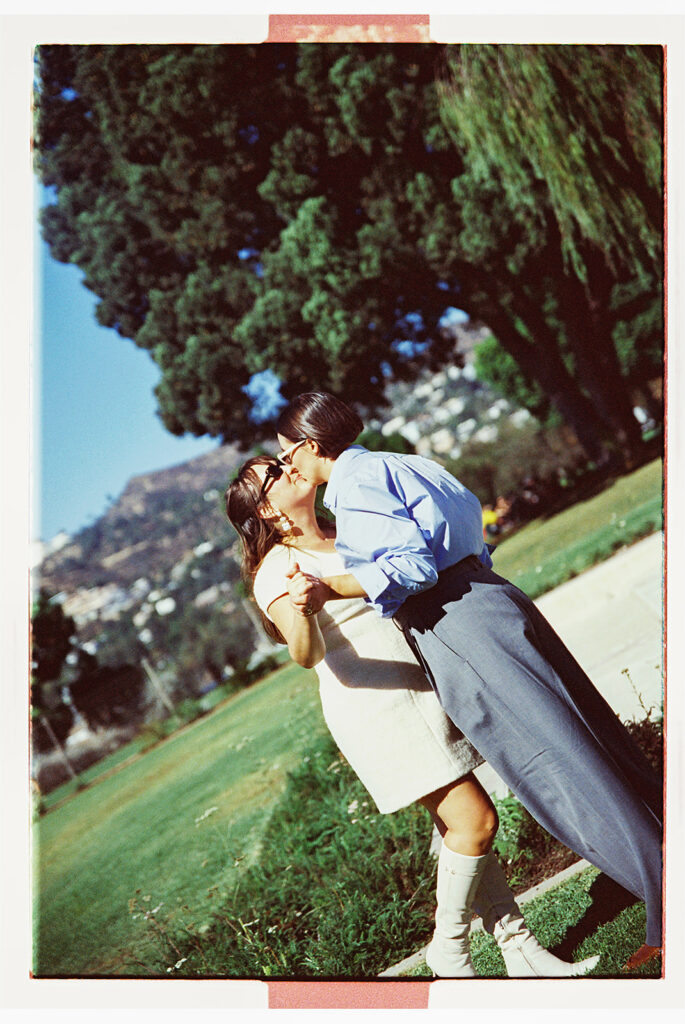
{"x":380,"y":708}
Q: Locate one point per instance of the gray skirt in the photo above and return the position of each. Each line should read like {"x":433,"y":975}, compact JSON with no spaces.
{"x":508,"y":682}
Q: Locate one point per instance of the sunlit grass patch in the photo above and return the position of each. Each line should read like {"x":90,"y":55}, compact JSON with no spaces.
{"x":568,"y":920}
{"x":185,"y":821}
{"x":136,"y":829}
{"x":548,"y":552}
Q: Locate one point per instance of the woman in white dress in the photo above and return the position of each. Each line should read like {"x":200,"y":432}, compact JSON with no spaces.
{"x":382,"y":713}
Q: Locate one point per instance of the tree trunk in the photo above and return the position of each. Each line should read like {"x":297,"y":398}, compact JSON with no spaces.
{"x":542,"y":362}
{"x":58,"y":747}
{"x":157,"y":684}
{"x":585,"y":311}
{"x":589,"y":322}
{"x":613,"y":390}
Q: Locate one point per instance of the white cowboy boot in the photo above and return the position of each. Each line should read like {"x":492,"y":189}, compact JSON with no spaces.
{"x":448,"y":954}
{"x":524,"y":957}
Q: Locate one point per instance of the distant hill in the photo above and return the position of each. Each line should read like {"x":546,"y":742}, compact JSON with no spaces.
{"x":162,"y":516}
{"x":157,"y":575}
{"x":157,"y":519}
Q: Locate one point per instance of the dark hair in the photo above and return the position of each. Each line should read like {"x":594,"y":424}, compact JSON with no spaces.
{"x":323,"y":418}
{"x":257,"y":535}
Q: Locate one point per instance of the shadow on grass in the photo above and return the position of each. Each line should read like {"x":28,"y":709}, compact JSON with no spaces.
{"x":608,"y":900}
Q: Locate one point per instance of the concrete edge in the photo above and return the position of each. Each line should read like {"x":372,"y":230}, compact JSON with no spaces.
{"x":418,"y":958}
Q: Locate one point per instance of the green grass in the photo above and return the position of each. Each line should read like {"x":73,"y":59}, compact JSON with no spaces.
{"x":548,"y":552}
{"x":136,"y":831}
{"x":132,"y":836}
{"x":341,"y":892}
{"x":338,"y":891}
{"x":564,"y":920}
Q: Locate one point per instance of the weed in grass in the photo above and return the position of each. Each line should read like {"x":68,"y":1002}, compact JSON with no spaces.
{"x":521,"y":844}
{"x":338,"y":891}
{"x":649,"y":711}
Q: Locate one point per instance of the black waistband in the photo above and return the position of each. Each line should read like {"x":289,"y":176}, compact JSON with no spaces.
{"x":470,"y":562}
{"x":415,"y":601}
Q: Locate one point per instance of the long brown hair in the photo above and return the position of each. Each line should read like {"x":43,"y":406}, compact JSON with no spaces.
{"x":257,"y":535}
{"x":323,"y":418}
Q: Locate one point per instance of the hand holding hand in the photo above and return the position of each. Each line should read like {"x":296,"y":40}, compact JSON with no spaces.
{"x":307,"y":593}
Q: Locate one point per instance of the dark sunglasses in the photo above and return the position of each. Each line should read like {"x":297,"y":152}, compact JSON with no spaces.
{"x":273,"y":472}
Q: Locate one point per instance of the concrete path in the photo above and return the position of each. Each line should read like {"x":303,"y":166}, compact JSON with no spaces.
{"x":410,"y":963}
{"x":611,"y":619}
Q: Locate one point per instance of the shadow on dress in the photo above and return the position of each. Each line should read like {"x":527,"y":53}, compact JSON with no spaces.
{"x":363,"y":673}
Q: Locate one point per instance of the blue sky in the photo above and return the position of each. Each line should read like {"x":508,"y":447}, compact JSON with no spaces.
{"x":94,"y":421}
{"x":94,"y":418}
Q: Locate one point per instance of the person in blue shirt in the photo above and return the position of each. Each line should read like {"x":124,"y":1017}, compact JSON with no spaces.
{"x":383,"y":714}
{"x":411,"y":540}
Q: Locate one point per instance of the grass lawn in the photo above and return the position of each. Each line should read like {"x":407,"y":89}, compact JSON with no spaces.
{"x":172,"y":827}
{"x":137,"y":831}
{"x":548,"y":552}
{"x":582,"y":917}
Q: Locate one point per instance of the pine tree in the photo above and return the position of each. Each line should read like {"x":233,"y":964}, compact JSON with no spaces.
{"x":308,"y":208}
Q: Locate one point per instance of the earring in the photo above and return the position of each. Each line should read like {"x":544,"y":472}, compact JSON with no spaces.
{"x":283,"y":524}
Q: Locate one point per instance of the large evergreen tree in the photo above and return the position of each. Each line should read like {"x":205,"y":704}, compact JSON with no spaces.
{"x":585,"y":123}
{"x":308,"y":208}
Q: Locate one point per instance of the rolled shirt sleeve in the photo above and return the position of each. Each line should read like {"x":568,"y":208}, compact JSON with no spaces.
{"x":390,"y":558}
{"x":400,"y":520}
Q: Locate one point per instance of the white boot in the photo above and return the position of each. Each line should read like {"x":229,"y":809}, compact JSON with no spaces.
{"x":448,"y":954}
{"x":524,"y":957}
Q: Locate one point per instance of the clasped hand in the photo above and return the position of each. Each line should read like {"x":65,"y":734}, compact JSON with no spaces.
{"x":307,"y":593}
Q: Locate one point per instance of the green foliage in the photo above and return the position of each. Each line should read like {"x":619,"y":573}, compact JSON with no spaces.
{"x":376,"y":441}
{"x":200,"y":643}
{"x":154,"y":732}
{"x":588,"y":121}
{"x":308,"y":199}
{"x":52,"y":635}
{"x":52,"y":639}
{"x":497,"y":367}
{"x":339,"y":891}
{"x":519,"y":837}
{"x":60,"y":718}
{"x":108,"y":695}
{"x":573,"y":161}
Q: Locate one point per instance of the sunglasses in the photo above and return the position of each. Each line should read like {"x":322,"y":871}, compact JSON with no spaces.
{"x":273,"y":472}
{"x":286,"y":456}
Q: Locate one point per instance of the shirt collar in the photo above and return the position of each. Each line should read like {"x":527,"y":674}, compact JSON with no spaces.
{"x":340,"y":467}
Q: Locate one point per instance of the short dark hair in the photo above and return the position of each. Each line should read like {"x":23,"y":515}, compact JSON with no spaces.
{"x":323,"y":418}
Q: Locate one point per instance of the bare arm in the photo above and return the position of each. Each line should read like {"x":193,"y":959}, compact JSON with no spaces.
{"x":300,"y":628}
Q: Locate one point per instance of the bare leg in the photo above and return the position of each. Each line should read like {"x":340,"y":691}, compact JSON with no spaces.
{"x":467,"y":821}
{"x":464,"y":815}
{"x":470,"y":880}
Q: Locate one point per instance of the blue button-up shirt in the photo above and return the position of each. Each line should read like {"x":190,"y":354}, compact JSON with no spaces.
{"x":400,"y":520}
